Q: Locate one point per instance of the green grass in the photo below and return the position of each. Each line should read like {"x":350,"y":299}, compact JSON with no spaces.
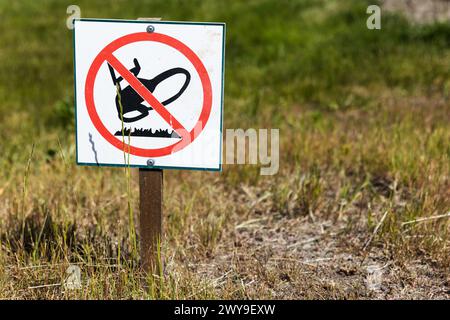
{"x":364,"y":129}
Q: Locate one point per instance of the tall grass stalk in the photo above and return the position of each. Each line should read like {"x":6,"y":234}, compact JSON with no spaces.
{"x":24,"y":192}
{"x":126,"y":158}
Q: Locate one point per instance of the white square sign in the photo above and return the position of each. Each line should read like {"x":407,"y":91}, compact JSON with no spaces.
{"x":149,"y":93}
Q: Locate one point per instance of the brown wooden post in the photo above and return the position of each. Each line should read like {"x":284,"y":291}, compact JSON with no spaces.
{"x":150,"y":218}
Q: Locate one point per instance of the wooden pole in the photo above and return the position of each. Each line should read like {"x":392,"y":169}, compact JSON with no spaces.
{"x":150,"y":218}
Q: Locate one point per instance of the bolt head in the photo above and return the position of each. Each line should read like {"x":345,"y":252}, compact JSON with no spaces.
{"x":150,"y":162}
{"x":150,"y":28}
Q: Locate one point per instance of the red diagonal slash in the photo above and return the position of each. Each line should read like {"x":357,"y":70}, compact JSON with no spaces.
{"x":147,"y":95}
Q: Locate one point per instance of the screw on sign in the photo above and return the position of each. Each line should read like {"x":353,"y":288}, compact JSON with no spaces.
{"x":152,"y":92}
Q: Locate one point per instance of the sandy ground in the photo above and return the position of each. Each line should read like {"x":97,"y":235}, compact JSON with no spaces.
{"x":301,"y":258}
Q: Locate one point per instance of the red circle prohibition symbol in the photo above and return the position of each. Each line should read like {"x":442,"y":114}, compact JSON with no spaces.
{"x":106,"y":55}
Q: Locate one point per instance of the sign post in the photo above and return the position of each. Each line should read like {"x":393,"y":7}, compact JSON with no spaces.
{"x":150,"y":218}
{"x":149,"y":94}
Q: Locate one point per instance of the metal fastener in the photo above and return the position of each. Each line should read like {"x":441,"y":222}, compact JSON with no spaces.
{"x":150,"y":28}
{"x":150,"y":162}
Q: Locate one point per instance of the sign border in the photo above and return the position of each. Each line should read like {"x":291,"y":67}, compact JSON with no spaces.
{"x":107,"y":55}
{"x":223,"y":25}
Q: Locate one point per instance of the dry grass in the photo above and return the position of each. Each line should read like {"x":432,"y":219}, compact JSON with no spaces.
{"x":300,"y":234}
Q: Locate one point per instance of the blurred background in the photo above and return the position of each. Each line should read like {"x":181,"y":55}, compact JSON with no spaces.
{"x":364,"y":121}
